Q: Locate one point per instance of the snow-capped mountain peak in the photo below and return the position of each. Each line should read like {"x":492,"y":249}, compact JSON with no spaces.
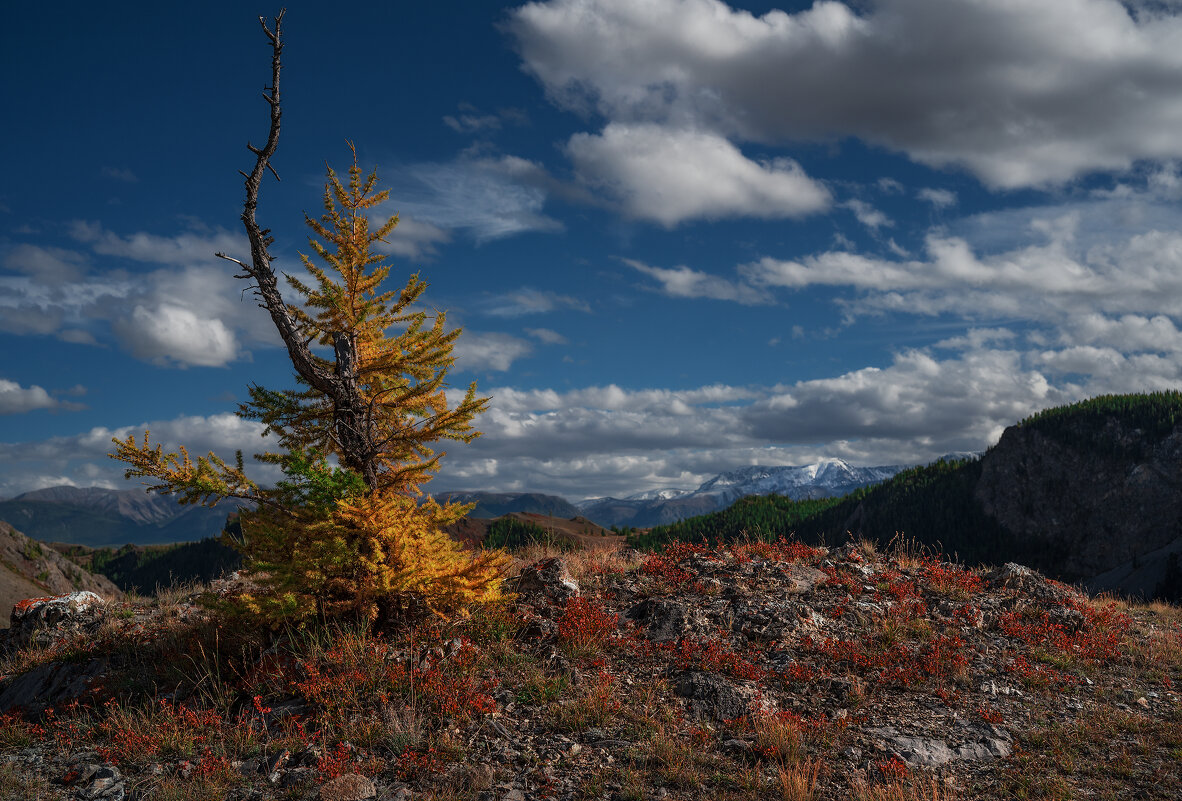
{"x":824,"y":478}
{"x":665,"y":494}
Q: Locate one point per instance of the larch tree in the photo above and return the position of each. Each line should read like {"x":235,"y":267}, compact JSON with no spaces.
{"x":357,"y":538}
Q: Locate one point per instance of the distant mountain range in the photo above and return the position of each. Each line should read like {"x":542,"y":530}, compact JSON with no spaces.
{"x":99,"y":517}
{"x":496,"y":504}
{"x":825,"y":479}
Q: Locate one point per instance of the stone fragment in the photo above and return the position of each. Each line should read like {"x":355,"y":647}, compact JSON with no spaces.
{"x":103,"y":782}
{"x":1026,"y":581}
{"x":931,"y":752}
{"x":711,"y":697}
{"x":666,"y":620}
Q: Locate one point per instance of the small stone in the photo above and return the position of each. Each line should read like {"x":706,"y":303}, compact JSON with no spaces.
{"x":711,"y":697}
{"x":514,"y":795}
{"x":103,"y":782}
{"x":247,"y":767}
{"x":295,"y":777}
{"x":271,"y":765}
{"x":1143,"y":701}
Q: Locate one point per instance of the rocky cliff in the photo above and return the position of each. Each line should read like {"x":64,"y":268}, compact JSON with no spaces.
{"x":1095,"y":495}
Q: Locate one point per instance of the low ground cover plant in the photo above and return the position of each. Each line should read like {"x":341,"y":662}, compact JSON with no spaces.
{"x":439,"y":704}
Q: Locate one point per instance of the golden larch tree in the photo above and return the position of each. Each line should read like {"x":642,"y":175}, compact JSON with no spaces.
{"x":357,"y":538}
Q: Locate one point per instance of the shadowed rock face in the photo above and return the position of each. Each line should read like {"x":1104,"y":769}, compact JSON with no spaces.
{"x":1094,"y":500}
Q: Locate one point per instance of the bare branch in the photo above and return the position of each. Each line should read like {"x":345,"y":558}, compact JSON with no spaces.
{"x":231,"y":258}
{"x":260,"y":267}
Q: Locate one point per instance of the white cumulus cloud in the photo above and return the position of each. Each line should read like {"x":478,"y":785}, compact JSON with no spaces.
{"x":170,"y":334}
{"x":683,"y":282}
{"x":15,"y":399}
{"x":672,"y":175}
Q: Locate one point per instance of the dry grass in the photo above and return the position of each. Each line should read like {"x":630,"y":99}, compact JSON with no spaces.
{"x":780,"y":737}
{"x":798,"y":782}
{"x":584,"y":565}
{"x":910,"y":789}
{"x":16,"y":784}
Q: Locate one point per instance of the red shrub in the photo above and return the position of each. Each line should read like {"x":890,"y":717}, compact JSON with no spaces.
{"x":584,"y":625}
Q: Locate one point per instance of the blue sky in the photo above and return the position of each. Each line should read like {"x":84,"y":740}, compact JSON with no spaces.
{"x":681,"y":237}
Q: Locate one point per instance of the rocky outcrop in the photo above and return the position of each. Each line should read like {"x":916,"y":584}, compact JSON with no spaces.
{"x":43,"y":620}
{"x":548,"y":579}
{"x":31,"y":569}
{"x":1089,"y":499}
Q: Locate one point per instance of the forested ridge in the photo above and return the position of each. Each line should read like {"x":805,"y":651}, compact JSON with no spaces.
{"x":757,"y":517}
{"x":145,"y":569}
{"x":932,"y":504}
{"x":511,"y":533}
{"x":1156,"y":413}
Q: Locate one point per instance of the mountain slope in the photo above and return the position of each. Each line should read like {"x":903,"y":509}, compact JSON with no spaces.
{"x":496,"y":504}
{"x":146,"y":568}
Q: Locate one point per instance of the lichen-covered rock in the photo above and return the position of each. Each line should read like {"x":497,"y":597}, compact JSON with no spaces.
{"x":549,"y":579}
{"x":44,"y":620}
{"x":1022,"y":580}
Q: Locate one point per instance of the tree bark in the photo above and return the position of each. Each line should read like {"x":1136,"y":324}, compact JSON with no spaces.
{"x":351,"y":425}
